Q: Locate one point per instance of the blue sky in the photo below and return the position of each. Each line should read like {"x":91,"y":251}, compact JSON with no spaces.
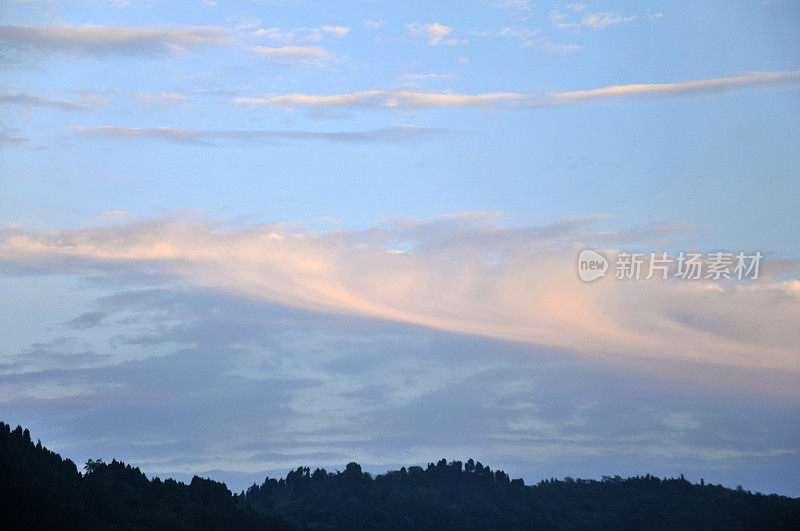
{"x":355,"y":224}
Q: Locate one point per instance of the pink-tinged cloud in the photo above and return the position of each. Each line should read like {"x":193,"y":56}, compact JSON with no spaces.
{"x":705,"y":85}
{"x":419,"y":99}
{"x":466,"y":274}
{"x":292,"y":53}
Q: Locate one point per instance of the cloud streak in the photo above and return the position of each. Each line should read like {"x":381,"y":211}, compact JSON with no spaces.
{"x":400,"y":133}
{"x":756,"y":79}
{"x":388,"y":99}
{"x":305,"y":34}
{"x":384,"y":98}
{"x":595,"y":21}
{"x":433,"y":33}
{"x":304,"y":54}
{"x":103,"y":41}
{"x":464,"y":274}
{"x":35,"y":101}
{"x":598,"y":21}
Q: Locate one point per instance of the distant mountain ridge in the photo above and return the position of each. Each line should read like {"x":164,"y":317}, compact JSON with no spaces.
{"x":40,"y":490}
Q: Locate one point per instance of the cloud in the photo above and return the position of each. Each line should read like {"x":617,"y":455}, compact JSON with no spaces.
{"x":389,"y":99}
{"x":394,"y":134}
{"x":595,"y":21}
{"x":93,"y":98}
{"x":58,"y":353}
{"x":337,"y":31}
{"x":384,"y":98}
{"x":518,"y":33}
{"x":598,"y":21}
{"x":274,"y":33}
{"x":325,"y":389}
{"x":107,"y":215}
{"x":102,"y":41}
{"x":374,"y":24}
{"x":688,"y":87}
{"x":9,"y":138}
{"x":550,"y":46}
{"x":525,"y":35}
{"x":461,"y":274}
{"x":518,"y":5}
{"x":555,"y":16}
{"x":86,"y":320}
{"x":304,"y":34}
{"x":434,"y":33}
{"x":412,"y":80}
{"x":301,"y":54}
{"x":420,"y":77}
{"x":34,"y":101}
{"x":165,"y":97}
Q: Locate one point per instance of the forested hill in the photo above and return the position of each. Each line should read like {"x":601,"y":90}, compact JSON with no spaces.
{"x":40,"y":490}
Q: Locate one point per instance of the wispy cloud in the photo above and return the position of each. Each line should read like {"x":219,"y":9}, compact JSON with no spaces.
{"x":8,"y":137}
{"x":299,"y":35}
{"x":527,"y":37}
{"x":93,"y":98}
{"x":515,"y":283}
{"x":595,"y":21}
{"x":389,"y":99}
{"x":34,"y":101}
{"x":599,"y":21}
{"x":434,"y":33}
{"x":518,"y":5}
{"x":412,"y":80}
{"x":522,"y":33}
{"x":384,"y":98}
{"x":165,"y":97}
{"x":101,"y":41}
{"x":281,"y":35}
{"x":374,"y":24}
{"x":108,"y":215}
{"x":420,"y":77}
{"x":300,"y":54}
{"x":395,"y":134}
{"x":336,"y":31}
{"x":687,"y":87}
{"x":550,"y":46}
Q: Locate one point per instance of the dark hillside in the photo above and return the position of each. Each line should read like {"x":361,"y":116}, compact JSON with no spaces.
{"x":40,"y":490}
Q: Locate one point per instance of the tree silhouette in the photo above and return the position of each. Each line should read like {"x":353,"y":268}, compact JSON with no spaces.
{"x":40,"y":490}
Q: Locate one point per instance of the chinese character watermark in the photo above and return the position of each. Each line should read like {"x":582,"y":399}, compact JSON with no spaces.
{"x":685,"y":266}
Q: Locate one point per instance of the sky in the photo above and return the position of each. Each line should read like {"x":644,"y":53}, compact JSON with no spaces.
{"x":240,"y":237}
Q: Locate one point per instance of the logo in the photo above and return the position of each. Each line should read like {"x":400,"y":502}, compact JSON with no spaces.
{"x":686,"y":265}
{"x":591,"y":265}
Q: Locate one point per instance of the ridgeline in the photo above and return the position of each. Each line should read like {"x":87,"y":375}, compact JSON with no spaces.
{"x":40,"y":490}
